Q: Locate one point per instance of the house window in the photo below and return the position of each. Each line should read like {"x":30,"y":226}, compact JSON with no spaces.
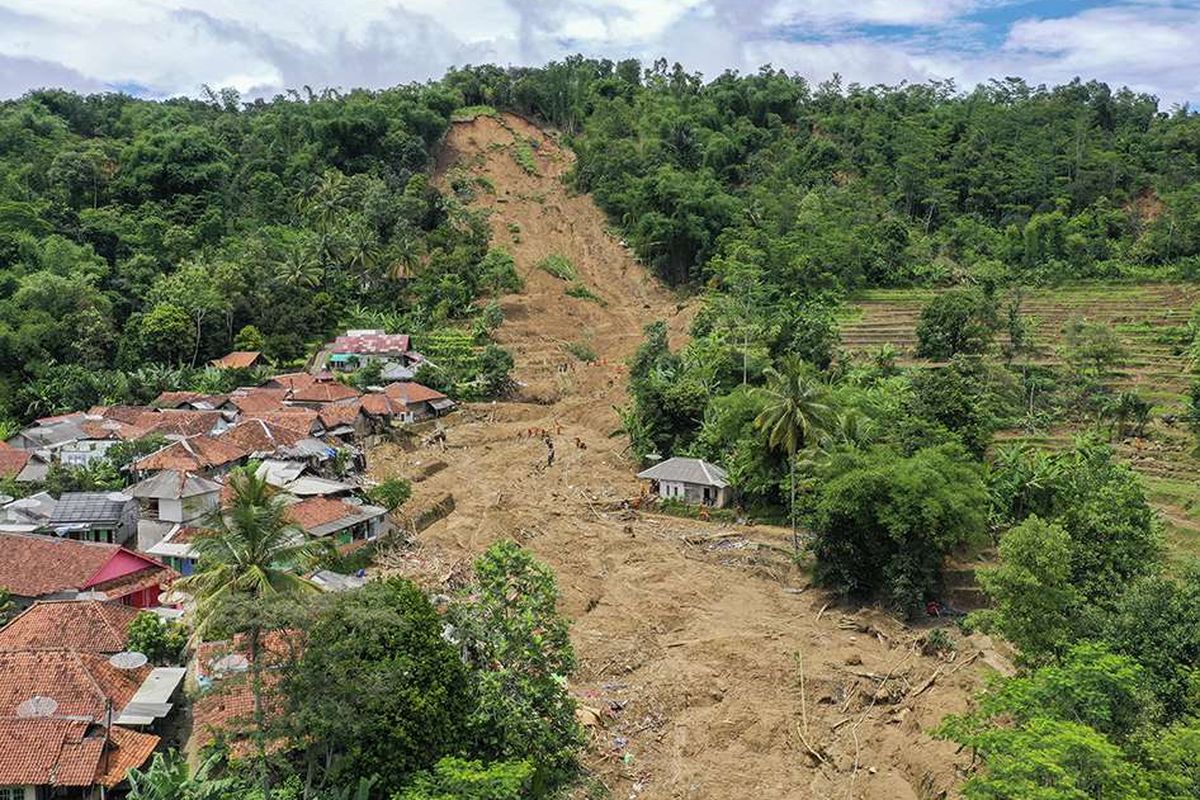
{"x":12,"y":793}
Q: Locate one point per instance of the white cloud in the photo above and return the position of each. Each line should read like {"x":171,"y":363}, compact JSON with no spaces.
{"x":261,"y":47}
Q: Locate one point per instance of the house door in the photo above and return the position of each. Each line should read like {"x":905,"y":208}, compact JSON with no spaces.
{"x":707,"y":496}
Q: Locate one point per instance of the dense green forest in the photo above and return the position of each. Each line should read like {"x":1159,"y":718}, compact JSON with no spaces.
{"x":140,"y":239}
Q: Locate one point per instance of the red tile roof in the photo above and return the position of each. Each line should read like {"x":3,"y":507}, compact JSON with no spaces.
{"x":249,"y":401}
{"x":291,"y":380}
{"x":298,"y":419}
{"x":12,"y":460}
{"x":316,"y":511}
{"x":195,"y":454}
{"x":378,"y":404}
{"x":409,"y":392}
{"x":324,"y":392}
{"x":259,"y":436}
{"x":372,"y":343}
{"x":238,"y":359}
{"x":34,"y":565}
{"x":51,"y":751}
{"x":334,"y":414}
{"x":179,"y":422}
{"x":130,"y":415}
{"x":88,"y":626}
{"x":175,"y":399}
{"x":82,"y":684}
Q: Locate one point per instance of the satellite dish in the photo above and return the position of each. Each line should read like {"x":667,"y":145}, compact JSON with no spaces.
{"x":234,"y":662}
{"x":37,"y":706}
{"x":128,"y":660}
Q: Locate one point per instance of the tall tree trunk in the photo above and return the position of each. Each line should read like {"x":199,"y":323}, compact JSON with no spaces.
{"x":792,"y":504}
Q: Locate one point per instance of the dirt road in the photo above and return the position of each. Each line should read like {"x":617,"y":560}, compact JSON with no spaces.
{"x":716,"y":670}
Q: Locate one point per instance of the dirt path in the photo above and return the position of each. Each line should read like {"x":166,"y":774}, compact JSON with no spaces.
{"x":692,"y":638}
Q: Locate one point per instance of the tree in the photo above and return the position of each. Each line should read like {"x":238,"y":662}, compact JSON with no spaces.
{"x":1092,"y":347}
{"x":248,"y":551}
{"x":795,"y":412}
{"x":884,"y":523}
{"x":195,"y":289}
{"x":249,"y":338}
{"x":391,"y":493}
{"x":1035,"y":605}
{"x":377,"y":690}
{"x":459,"y":779}
{"x":160,"y":641}
{"x":958,"y":321}
{"x":167,"y":778}
{"x":519,"y":649}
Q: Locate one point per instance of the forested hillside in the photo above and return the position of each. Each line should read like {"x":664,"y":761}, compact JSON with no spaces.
{"x":139,"y":239}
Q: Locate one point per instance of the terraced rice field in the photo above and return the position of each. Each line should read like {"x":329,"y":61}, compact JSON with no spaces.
{"x":1143,"y":317}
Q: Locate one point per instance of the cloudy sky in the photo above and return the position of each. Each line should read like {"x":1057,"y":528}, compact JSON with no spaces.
{"x":158,"y":48}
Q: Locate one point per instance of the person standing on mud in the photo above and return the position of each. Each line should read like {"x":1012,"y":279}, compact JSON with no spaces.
{"x":549,"y":449}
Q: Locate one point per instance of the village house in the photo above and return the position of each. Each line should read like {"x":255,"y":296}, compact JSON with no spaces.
{"x":238,"y":359}
{"x":67,"y":759}
{"x":28,"y":514}
{"x":109,"y":517}
{"x":689,"y":480}
{"x":420,"y":402}
{"x":343,"y":521}
{"x":39,"y":567}
{"x":82,"y":626}
{"x":207,"y":455}
{"x":174,"y":503}
{"x":357,"y":348}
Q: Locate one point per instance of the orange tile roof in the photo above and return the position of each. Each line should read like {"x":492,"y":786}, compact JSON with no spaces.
{"x":291,"y":380}
{"x":179,"y":421}
{"x":259,"y":436}
{"x":175,"y":399}
{"x":378,"y":404}
{"x":82,"y":684}
{"x":238,"y":359}
{"x":34,"y":565}
{"x":12,"y":461}
{"x":324,"y":392}
{"x":126,"y":750}
{"x":130,"y":415}
{"x":51,"y":751}
{"x":250,"y":401}
{"x":319,"y":510}
{"x":195,"y":454}
{"x":88,"y":626}
{"x":298,"y":419}
{"x":227,"y":709}
{"x":409,"y":392}
{"x":334,"y":414}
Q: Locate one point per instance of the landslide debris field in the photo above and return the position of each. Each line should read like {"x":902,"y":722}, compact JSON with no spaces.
{"x":708,"y":667}
{"x":1148,"y":320}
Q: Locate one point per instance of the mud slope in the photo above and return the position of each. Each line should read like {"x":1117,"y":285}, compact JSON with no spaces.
{"x":692,"y":638}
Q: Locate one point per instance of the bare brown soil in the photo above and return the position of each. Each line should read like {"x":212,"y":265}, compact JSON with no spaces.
{"x":713,"y":668}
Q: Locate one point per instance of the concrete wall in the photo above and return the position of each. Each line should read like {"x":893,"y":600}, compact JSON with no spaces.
{"x":693,"y":493}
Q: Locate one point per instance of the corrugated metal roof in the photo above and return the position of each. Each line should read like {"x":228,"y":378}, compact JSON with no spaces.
{"x":687,"y":470}
{"x":89,"y":507}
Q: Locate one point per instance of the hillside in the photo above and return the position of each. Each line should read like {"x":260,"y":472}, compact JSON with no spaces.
{"x":718,"y":671}
{"x":1154,"y":364}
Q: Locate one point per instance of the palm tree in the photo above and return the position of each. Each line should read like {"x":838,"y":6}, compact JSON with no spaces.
{"x":249,"y":554}
{"x":795,"y":414}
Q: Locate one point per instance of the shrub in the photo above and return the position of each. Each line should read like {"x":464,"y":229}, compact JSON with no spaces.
{"x":581,"y":292}
{"x":581,"y":350}
{"x":468,"y":113}
{"x":558,"y":266}
{"x":391,"y":493}
{"x":522,"y":153}
{"x":160,"y":641}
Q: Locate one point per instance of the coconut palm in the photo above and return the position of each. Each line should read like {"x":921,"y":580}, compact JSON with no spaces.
{"x":794,"y":416}
{"x":249,"y":553}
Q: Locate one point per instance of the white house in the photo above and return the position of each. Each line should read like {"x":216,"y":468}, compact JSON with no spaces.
{"x":689,"y":480}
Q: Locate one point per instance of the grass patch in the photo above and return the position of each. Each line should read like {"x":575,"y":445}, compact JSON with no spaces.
{"x":582,"y":350}
{"x":522,"y":153}
{"x":468,"y":113}
{"x":558,"y":266}
{"x":581,"y":292}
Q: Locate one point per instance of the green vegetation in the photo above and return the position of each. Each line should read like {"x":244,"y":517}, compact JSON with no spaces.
{"x":582,"y":350}
{"x":138,"y":240}
{"x":160,"y":641}
{"x":558,"y":266}
{"x":581,"y":292}
{"x":468,"y":113}
{"x":522,"y":153}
